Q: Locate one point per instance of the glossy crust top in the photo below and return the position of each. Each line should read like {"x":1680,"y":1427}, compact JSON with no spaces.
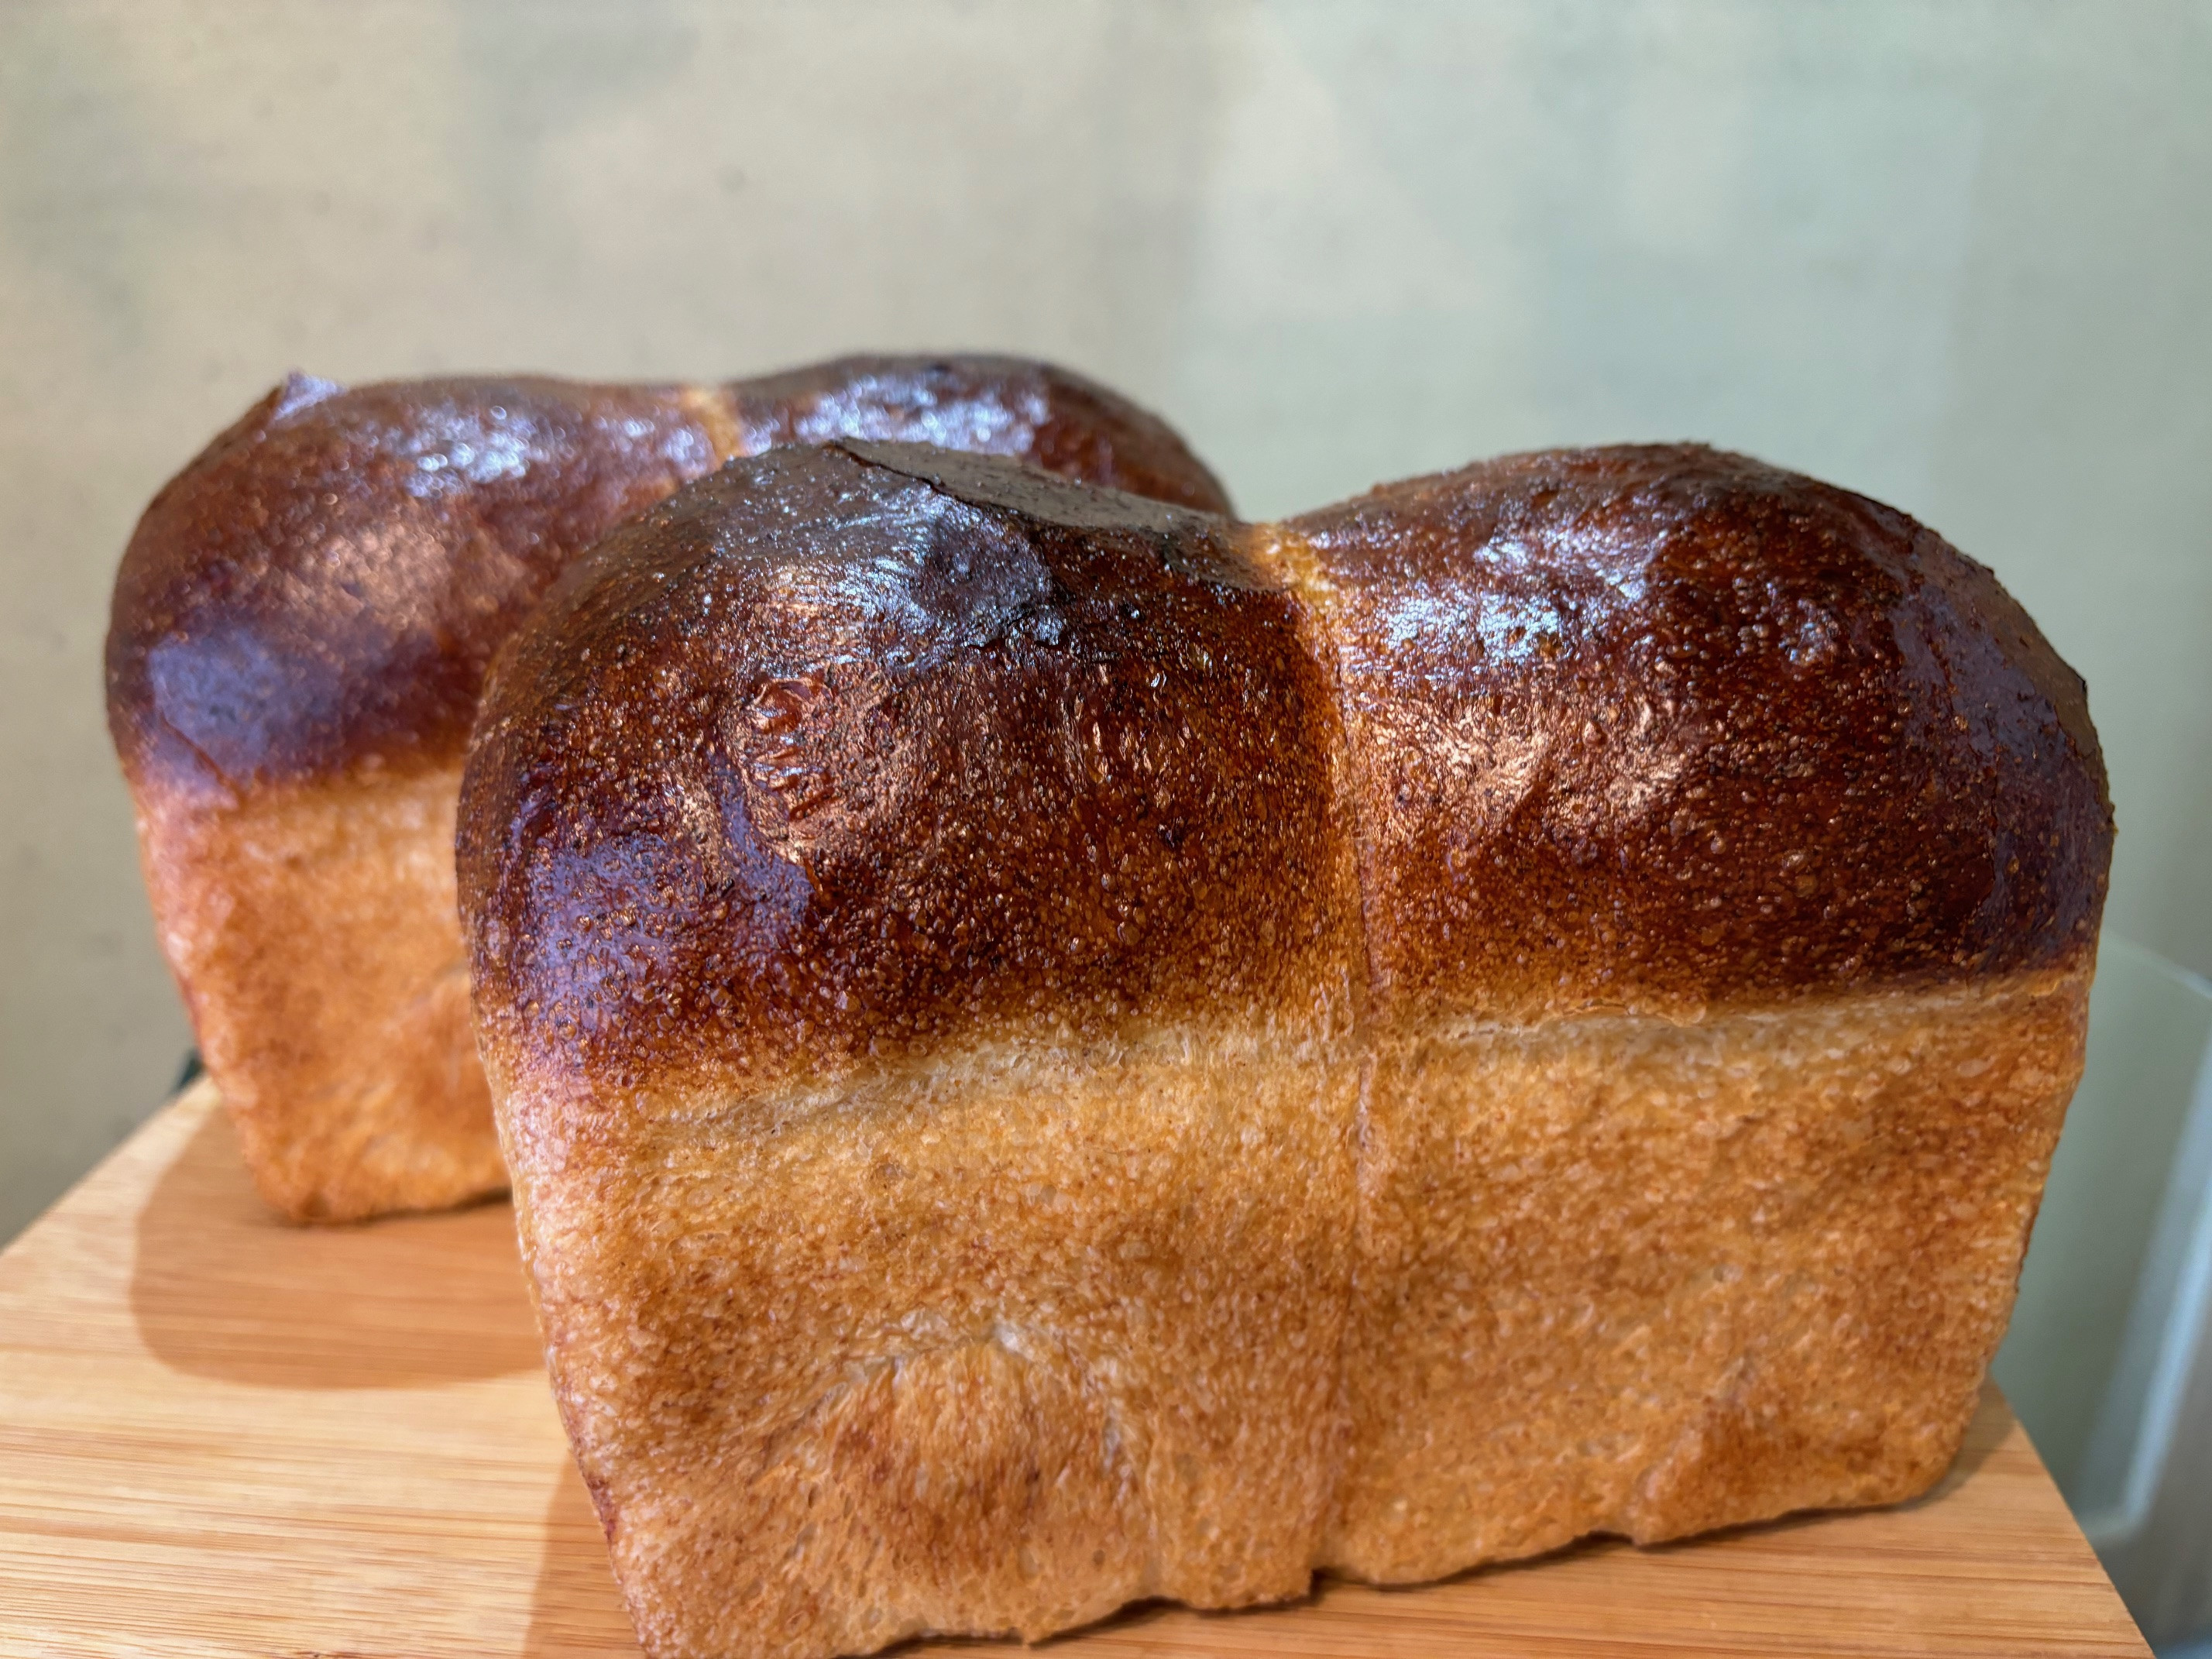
{"x":843,"y":751}
{"x":1033,"y":411}
{"x":1655,"y":726}
{"x":847,"y":752}
{"x":324,"y":587}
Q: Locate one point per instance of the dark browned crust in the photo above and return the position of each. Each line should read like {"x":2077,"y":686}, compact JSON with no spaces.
{"x":844,"y":751}
{"x":1657,"y":727}
{"x":323,"y":588}
{"x":981,"y":405}
{"x":1651,"y":728}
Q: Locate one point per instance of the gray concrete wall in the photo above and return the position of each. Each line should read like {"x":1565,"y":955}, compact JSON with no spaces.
{"x":1956,"y":255}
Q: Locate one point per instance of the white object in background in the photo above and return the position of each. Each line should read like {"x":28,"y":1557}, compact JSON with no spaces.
{"x":2110,"y":1359}
{"x":2151,"y":1450}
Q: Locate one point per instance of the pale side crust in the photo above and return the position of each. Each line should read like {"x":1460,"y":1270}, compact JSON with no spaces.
{"x":315,"y":933}
{"x":1623,"y":1275}
{"x":997,"y":1346}
{"x":1003,"y":1343}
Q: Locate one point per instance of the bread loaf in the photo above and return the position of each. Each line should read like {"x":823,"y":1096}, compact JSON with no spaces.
{"x":1056,"y":1049}
{"x":300,"y":629}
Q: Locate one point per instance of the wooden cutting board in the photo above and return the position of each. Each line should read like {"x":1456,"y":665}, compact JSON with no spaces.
{"x":220,"y":1434}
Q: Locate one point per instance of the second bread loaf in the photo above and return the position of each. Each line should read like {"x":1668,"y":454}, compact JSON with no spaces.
{"x":301,"y":631}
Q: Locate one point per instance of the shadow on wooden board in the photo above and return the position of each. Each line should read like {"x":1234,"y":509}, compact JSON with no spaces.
{"x":223,"y":1288}
{"x":578,"y":1612}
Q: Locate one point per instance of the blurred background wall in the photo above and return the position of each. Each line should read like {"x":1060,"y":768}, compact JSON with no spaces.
{"x":1957,"y":255}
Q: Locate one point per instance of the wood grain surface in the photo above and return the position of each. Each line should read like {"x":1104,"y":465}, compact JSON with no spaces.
{"x":221,"y":1434}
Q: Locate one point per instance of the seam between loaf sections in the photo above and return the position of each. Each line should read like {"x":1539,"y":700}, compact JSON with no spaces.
{"x":1290,"y":559}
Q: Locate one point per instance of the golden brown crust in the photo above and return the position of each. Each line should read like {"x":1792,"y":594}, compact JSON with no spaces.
{"x":1620,"y":1273}
{"x":313,"y":930}
{"x":996,"y":1341}
{"x":1001,"y":1339}
{"x":1657,"y":727}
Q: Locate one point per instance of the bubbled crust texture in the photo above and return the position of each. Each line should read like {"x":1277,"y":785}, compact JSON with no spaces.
{"x":994,"y":999}
{"x":1656,"y":726}
{"x":994,"y":753}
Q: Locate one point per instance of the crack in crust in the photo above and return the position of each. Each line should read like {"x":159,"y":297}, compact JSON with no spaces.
{"x":715,"y":409}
